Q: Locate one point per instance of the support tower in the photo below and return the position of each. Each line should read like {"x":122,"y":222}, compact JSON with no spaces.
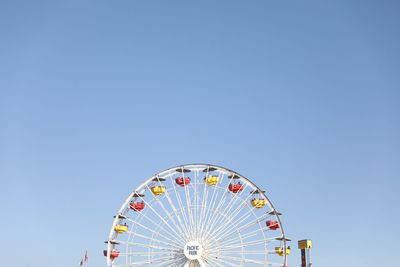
{"x":305,"y":247}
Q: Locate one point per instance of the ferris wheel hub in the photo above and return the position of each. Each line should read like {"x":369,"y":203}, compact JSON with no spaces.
{"x":193,"y":250}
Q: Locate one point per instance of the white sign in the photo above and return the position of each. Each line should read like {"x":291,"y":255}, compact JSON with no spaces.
{"x":193,"y":250}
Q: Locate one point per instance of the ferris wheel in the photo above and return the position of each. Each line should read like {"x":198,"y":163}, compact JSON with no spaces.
{"x":197,"y":215}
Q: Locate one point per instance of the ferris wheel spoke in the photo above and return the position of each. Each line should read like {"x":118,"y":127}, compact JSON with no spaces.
{"x":179,"y":246}
{"x":196,"y":203}
{"x":173,"y":239}
{"x":203,"y":200}
{"x":247,"y":244}
{"x":150,"y":258}
{"x":224,"y":224}
{"x":207,"y":214}
{"x":152,"y":261}
{"x":227,"y":211}
{"x":215,"y":207}
{"x":218,"y":203}
{"x":146,"y":253}
{"x":182,"y":208}
{"x":144,"y":245}
{"x":201,"y":263}
{"x":223,"y":262}
{"x":233,"y":241}
{"x":177,"y":235}
{"x":123,"y":265}
{"x":237,"y":239}
{"x":223,"y":228}
{"x":162,"y":260}
{"x":172,"y":219}
{"x":171,"y":262}
{"x":211,"y":262}
{"x":239,"y":221}
{"x":171,"y":256}
{"x":224,"y":242}
{"x":276,"y":264}
{"x":213,"y":211}
{"x":216,"y":219}
{"x":188,"y":204}
{"x":252,"y":233}
{"x":238,"y":208}
{"x":214,"y":262}
{"x":252,"y":223}
{"x":156,"y":240}
{"x":217,"y":242}
{"x":242,"y":260}
{"x":182,"y":225}
{"x":256,"y":251}
{"x":138,"y":263}
{"x":249,"y":224}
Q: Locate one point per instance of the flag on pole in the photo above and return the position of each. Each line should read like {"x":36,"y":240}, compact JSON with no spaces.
{"x":84,"y":260}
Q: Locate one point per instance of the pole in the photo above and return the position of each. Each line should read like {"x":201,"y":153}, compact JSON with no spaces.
{"x":305,"y":247}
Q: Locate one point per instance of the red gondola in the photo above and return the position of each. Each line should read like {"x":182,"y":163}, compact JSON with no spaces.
{"x":113,"y":255}
{"x":182,"y":181}
{"x":235,"y":188}
{"x":273,"y":225}
{"x":136,"y":206}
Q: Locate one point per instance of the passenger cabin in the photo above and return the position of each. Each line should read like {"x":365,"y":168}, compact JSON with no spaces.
{"x":182,"y":181}
{"x":258,"y":202}
{"x":137,"y":206}
{"x":235,"y":188}
{"x":113,"y":255}
{"x":211,"y":180}
{"x":158,"y":190}
{"x":272,"y":224}
{"x":121,"y":228}
{"x":280,"y":251}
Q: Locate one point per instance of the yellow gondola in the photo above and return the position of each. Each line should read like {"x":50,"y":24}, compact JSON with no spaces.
{"x":280,"y":252}
{"x":158,"y":190}
{"x":119,"y":228}
{"x":258,"y":202}
{"x":212,"y":180}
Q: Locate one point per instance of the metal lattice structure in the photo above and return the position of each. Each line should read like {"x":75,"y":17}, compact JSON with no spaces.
{"x":197,"y":215}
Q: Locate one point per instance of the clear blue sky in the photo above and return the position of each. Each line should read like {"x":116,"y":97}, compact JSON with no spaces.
{"x":300,"y":96}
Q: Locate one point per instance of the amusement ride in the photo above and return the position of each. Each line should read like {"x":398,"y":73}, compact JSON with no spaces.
{"x":197,"y":215}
